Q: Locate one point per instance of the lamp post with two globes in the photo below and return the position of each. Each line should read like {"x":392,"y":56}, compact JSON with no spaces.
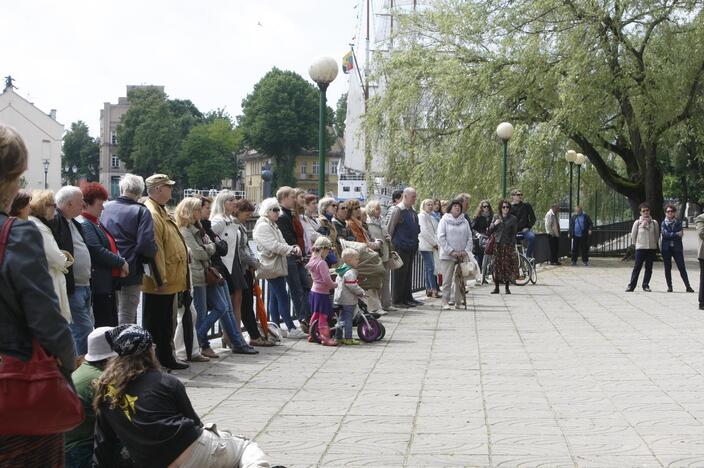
{"x":323,"y":71}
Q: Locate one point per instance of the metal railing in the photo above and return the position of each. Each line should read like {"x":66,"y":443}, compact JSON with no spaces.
{"x":610,"y":240}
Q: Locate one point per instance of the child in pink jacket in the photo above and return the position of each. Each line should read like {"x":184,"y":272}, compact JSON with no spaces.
{"x":319,"y":298}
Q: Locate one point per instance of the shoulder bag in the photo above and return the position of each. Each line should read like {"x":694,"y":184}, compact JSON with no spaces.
{"x":35,"y":398}
{"x":490,"y":245}
{"x":395,"y":261}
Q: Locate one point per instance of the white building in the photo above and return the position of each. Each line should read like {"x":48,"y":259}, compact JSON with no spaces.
{"x":41,"y":133}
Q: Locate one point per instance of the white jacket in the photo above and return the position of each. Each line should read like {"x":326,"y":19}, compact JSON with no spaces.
{"x":645,"y":237}
{"x":552,"y":224}
{"x":58,"y":266}
{"x":227,"y":230}
{"x":272,"y":249}
{"x":427,"y":239}
{"x":454,"y":235}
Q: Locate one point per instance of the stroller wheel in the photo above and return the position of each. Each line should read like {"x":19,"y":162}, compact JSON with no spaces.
{"x":382,"y":330}
{"x":369,"y":333}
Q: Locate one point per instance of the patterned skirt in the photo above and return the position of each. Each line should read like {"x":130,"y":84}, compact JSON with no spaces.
{"x":32,"y":451}
{"x":505,"y":263}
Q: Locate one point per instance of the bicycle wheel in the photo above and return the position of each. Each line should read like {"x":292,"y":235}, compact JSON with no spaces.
{"x":523,"y":275}
{"x":533,"y":273}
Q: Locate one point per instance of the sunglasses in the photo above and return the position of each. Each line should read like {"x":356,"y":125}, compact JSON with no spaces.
{"x":669,"y":211}
{"x":275,"y":210}
{"x":343,"y":208}
{"x":505,"y":207}
{"x":644,"y":210}
{"x":485,"y":206}
{"x":334,"y":205}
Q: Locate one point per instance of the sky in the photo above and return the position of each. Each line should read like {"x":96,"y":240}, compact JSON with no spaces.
{"x":74,"y":55}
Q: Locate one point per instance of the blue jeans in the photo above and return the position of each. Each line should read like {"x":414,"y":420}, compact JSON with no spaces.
{"x":529,"y":236}
{"x":431,"y":281}
{"x":279,"y":307}
{"x":82,"y":317}
{"x":298,"y":286}
{"x":346,"y":315}
{"x":212,"y":303}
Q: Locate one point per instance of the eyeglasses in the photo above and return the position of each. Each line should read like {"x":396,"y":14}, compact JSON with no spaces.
{"x":334,"y":205}
{"x":505,"y":207}
{"x":275,"y":210}
{"x":485,"y":206}
{"x":669,"y":211}
{"x":645,"y":210}
{"x":343,"y":208}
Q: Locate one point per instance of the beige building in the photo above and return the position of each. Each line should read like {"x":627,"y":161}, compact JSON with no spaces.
{"x":306,"y":171}
{"x":41,"y":133}
{"x":111,"y":168}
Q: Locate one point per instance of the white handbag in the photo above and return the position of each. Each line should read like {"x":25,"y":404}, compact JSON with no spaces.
{"x":469,"y":267}
{"x":395,"y":261}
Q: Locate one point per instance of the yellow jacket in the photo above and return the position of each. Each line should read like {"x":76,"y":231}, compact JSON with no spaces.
{"x":171,"y":255}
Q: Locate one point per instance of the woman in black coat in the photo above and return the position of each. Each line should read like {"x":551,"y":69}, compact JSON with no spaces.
{"x":505,"y":262}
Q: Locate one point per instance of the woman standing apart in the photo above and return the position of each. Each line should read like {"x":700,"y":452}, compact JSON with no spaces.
{"x":29,"y":309}
{"x":671,"y":246}
{"x":505,"y":262}
{"x":644,"y":235}
{"x":480,"y":224}
{"x":455,"y":241}
{"x":107,"y":264}
{"x":427,"y":245}
{"x":273,"y":251}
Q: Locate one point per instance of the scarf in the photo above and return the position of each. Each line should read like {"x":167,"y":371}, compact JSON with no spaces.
{"x":668,"y":222}
{"x":358,"y":230}
{"x":115,"y":272}
{"x":645,"y":221}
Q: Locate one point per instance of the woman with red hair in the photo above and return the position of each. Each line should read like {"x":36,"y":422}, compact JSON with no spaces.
{"x":107,"y":264}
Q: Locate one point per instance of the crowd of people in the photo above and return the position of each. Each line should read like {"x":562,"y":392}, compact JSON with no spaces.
{"x":77,"y":269}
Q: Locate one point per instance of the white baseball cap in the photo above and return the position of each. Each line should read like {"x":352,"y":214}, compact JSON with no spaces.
{"x":98,"y":346}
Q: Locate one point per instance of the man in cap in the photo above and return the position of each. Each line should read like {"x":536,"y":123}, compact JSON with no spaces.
{"x":162,"y":287}
{"x":78,"y":442}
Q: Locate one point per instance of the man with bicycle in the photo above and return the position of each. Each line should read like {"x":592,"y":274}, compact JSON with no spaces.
{"x":526,"y":219}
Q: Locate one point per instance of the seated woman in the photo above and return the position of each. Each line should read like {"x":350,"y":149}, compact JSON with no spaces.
{"x":149,"y":412}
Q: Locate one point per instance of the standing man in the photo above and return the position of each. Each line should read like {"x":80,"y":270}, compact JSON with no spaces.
{"x":69,"y":236}
{"x":526,"y":219}
{"x":580,"y":230}
{"x":131,"y":225}
{"x":404,"y":229}
{"x":298,"y":278}
{"x":699,"y":223}
{"x":552,"y":227}
{"x":162,"y":287}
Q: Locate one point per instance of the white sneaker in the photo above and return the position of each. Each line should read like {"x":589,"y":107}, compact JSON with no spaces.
{"x":296,"y":334}
{"x":446,"y":306}
{"x":380,"y":312}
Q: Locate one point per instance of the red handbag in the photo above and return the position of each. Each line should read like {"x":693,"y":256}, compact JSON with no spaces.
{"x":35,"y":398}
{"x":490,"y":245}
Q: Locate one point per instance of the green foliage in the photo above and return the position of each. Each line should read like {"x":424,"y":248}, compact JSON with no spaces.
{"x":280,"y":118}
{"x":80,"y":150}
{"x":608,"y":79}
{"x":340,"y":115}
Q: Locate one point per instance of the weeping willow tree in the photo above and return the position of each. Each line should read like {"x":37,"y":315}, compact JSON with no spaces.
{"x":608,"y":78}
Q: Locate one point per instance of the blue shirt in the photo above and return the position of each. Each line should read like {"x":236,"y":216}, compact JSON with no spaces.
{"x":579,"y":225}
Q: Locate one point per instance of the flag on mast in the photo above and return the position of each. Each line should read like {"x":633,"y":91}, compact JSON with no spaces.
{"x":348,"y":62}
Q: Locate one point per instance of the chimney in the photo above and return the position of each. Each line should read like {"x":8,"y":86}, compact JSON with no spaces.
{"x":52,"y":114}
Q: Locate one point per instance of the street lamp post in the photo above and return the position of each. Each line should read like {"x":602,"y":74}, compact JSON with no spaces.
{"x":579,"y":160}
{"x":571,"y":156}
{"x":45,"y":163}
{"x":323,"y":71}
{"x":504,"y":131}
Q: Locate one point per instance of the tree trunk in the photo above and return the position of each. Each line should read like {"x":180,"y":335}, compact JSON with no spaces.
{"x":652,"y":181}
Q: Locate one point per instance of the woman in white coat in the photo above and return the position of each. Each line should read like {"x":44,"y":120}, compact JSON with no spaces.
{"x":42,"y":208}
{"x":456,"y":242}
{"x":273,"y":251}
{"x":428,"y":245}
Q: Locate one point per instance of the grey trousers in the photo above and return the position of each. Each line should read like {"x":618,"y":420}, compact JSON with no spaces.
{"x":223,"y":450}
{"x":127,"y":303}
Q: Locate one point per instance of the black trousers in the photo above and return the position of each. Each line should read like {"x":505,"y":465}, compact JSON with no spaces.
{"x":105,"y":309}
{"x":249,"y":318}
{"x":401,"y":284}
{"x":701,"y":283}
{"x":646,"y":256}
{"x":667,"y":255}
{"x":580,"y":245}
{"x":554,"y":243}
{"x":158,"y":318}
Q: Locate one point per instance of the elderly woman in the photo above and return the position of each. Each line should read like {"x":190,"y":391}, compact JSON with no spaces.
{"x":455,"y":241}
{"x":29,"y":309}
{"x":327,"y":207}
{"x":671,"y":247}
{"x":148,"y":412}
{"x":43,"y":208}
{"x":427,"y":245}
{"x":504,"y":227}
{"x":273,"y":251}
{"x":188,"y":215}
{"x":382,"y":244}
{"x":355,"y":222}
{"x":309,"y":220}
{"x":644,"y":235}
{"x":107,"y":265}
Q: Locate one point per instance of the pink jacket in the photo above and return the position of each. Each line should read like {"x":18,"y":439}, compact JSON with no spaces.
{"x":322,"y":281}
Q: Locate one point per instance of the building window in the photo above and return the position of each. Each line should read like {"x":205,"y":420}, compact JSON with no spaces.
{"x":303,"y":168}
{"x":114,"y":162}
{"x":113,"y":137}
{"x":357,"y":189}
{"x":333,"y":167}
{"x":114,"y":186}
{"x":316,"y":168}
{"x":346,"y":188}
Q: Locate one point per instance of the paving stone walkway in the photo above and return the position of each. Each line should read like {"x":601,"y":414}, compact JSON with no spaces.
{"x":572,"y":371}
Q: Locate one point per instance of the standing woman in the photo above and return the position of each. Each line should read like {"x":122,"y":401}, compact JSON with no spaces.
{"x":671,"y":246}
{"x":505,"y":262}
{"x":107,"y":264}
{"x":437,"y":212}
{"x":644,"y":235}
{"x":327,"y":207}
{"x":480,"y":225}
{"x":455,"y":241}
{"x":427,"y":245}
{"x":43,"y":208}
{"x":29,"y":309}
{"x":309,"y":220}
{"x":273,"y":251}
{"x":382,"y":244}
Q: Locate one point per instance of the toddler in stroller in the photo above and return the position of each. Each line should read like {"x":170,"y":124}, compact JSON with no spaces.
{"x":319,"y":298}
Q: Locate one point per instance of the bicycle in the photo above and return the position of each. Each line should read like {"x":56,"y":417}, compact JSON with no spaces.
{"x":526,"y":267}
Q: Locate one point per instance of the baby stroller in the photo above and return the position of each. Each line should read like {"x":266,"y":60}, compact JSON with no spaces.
{"x":369,"y":329}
